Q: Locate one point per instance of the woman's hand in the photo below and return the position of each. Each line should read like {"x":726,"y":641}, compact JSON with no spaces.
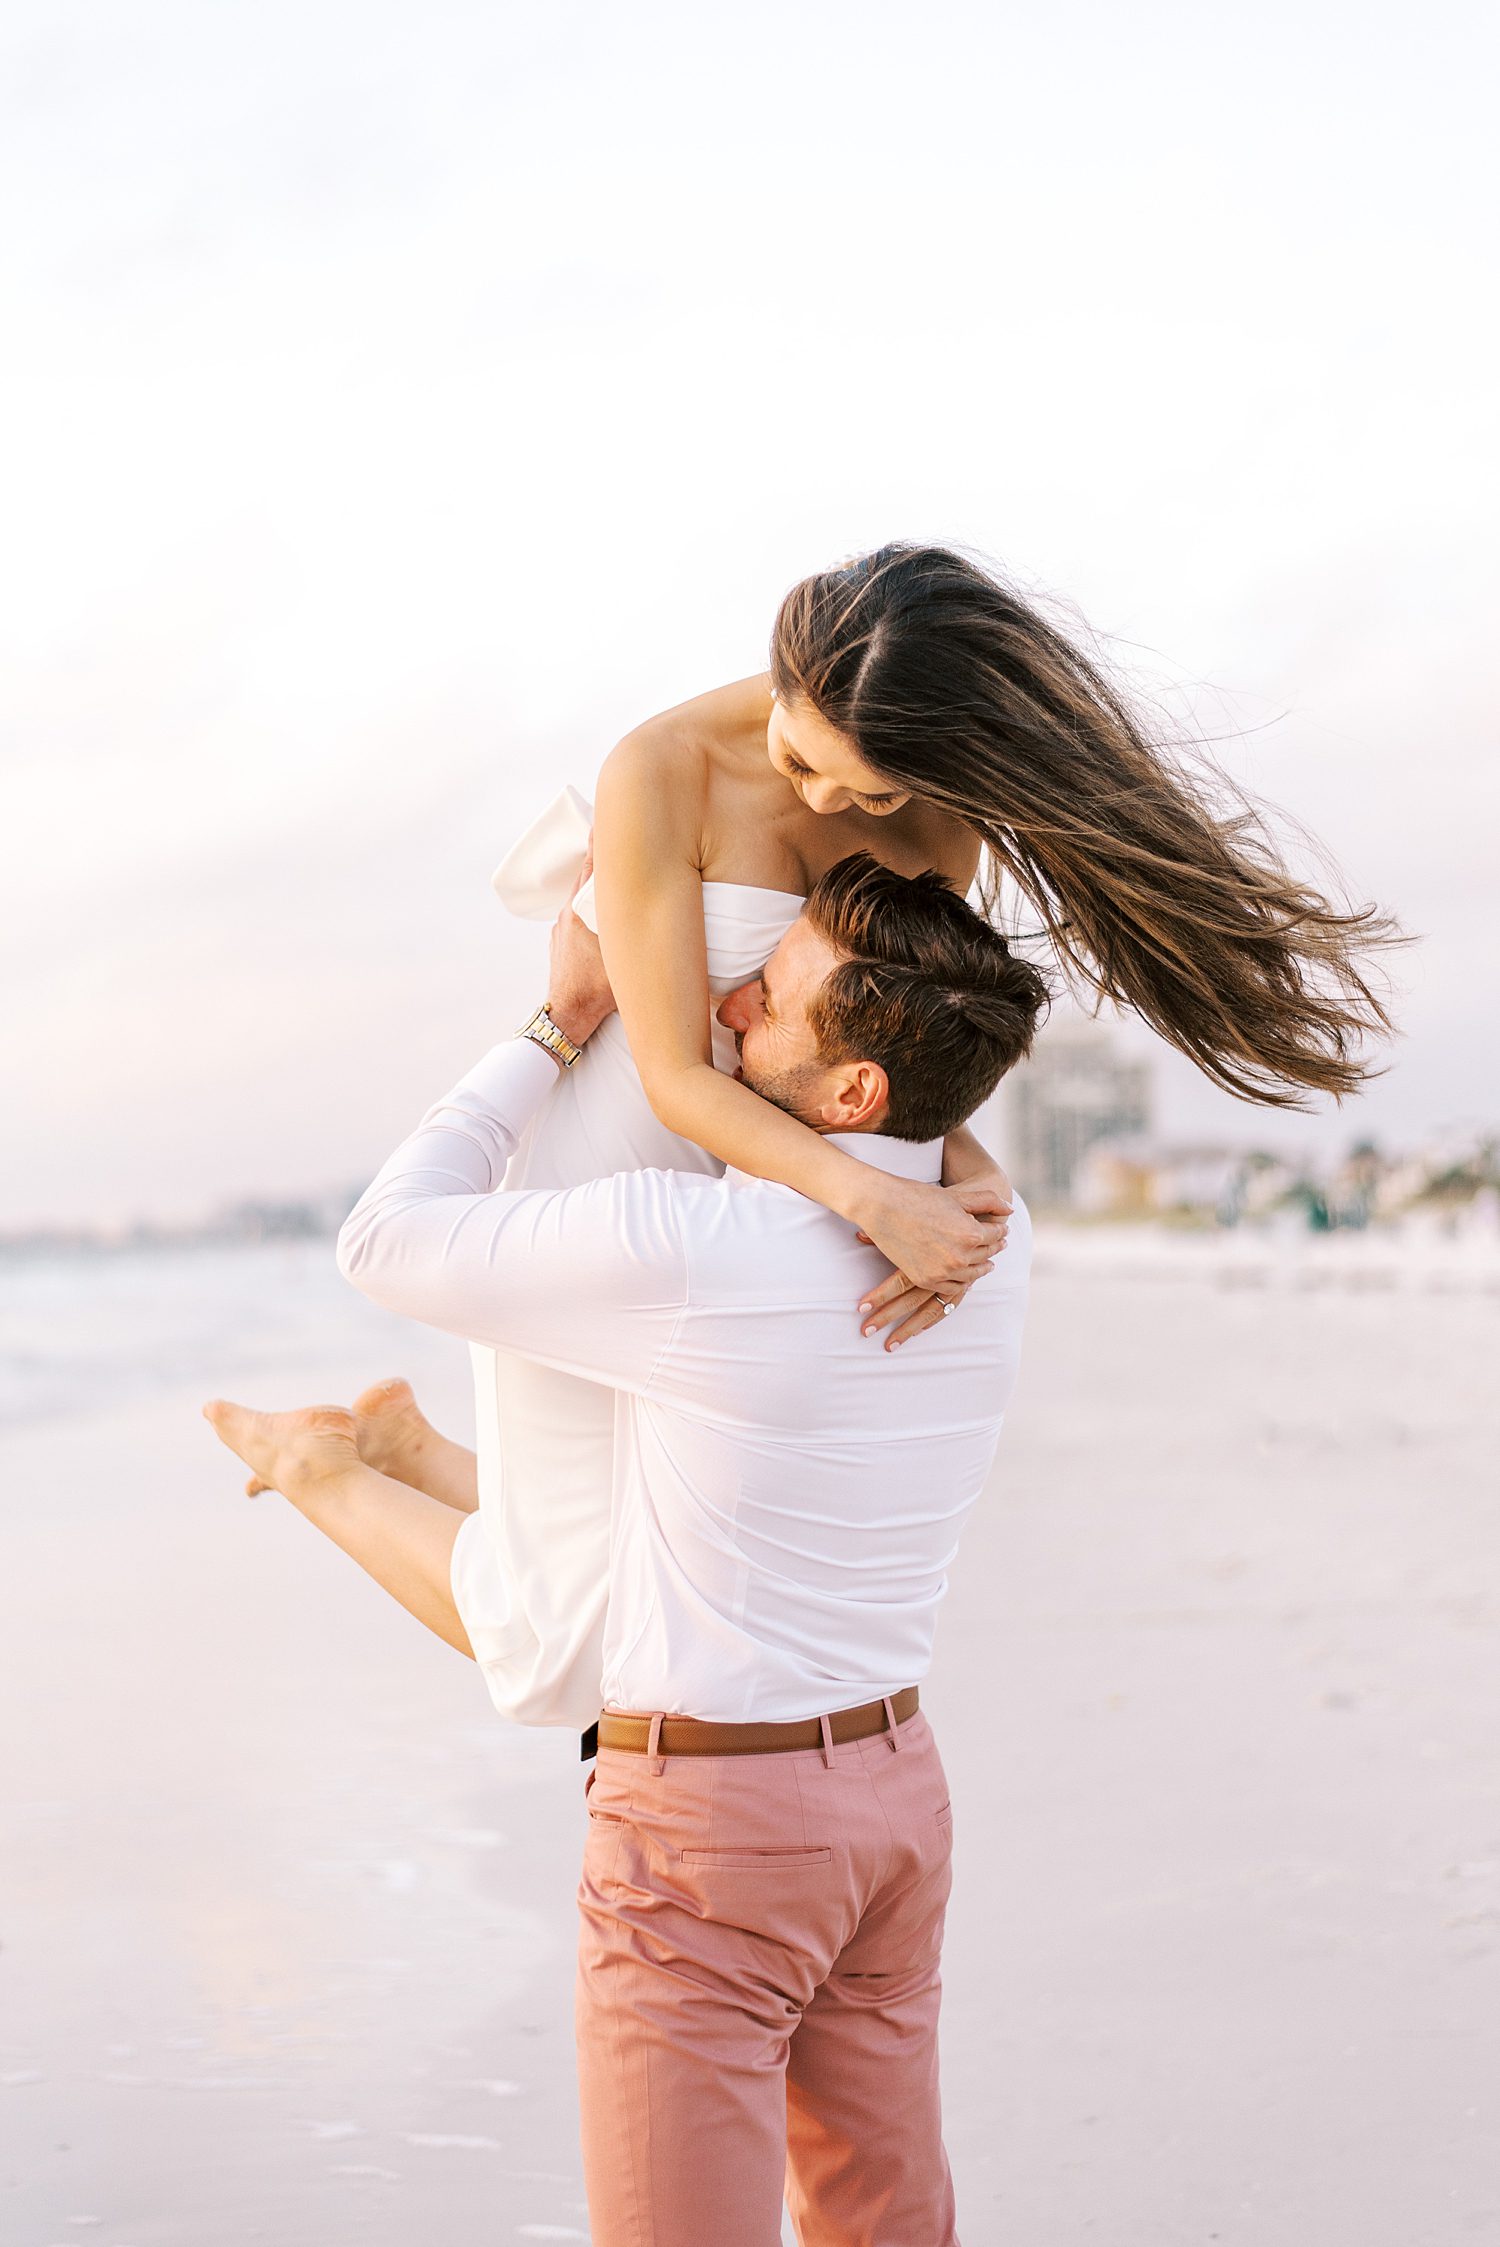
{"x":968,"y":1162}
{"x":940,"y":1240}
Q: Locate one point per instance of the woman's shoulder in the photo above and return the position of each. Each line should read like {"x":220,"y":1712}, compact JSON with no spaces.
{"x":659,"y":751}
{"x":676,"y":757}
{"x":706,"y":726}
{"x":679,"y":731}
{"x":654,"y":754}
{"x":662,"y":776}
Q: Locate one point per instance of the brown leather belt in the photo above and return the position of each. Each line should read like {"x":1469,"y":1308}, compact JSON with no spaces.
{"x":690,"y":1735}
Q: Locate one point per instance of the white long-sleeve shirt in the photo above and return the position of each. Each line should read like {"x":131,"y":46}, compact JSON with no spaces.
{"x":787,"y":1494}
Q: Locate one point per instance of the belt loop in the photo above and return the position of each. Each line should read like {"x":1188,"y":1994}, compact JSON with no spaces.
{"x":827,"y":1731}
{"x":892,"y":1733}
{"x":653,"y":1748}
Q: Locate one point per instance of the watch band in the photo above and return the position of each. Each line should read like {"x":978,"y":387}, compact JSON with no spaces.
{"x":543,"y":1031}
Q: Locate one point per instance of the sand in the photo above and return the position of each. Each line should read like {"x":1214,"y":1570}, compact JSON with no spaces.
{"x":286,"y":1913}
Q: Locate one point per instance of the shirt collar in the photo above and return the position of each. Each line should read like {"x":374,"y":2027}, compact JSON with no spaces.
{"x":903,"y":1158}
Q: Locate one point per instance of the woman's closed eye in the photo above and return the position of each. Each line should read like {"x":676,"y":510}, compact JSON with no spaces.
{"x":795,"y":766}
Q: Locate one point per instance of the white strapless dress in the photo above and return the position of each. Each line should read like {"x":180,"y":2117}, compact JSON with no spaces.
{"x":530,"y":1568}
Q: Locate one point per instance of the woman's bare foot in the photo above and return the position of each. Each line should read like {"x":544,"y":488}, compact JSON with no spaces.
{"x":391,"y":1429}
{"x":401,"y":1537}
{"x":286,"y":1451}
{"x":396,"y":1438}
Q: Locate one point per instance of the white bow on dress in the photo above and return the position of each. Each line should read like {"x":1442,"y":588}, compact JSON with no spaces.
{"x":535,"y":878}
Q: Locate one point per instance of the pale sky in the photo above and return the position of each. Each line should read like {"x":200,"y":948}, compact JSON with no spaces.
{"x":400,"y":403}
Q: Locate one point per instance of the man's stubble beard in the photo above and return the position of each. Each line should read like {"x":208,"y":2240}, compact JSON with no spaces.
{"x":787,"y":1089}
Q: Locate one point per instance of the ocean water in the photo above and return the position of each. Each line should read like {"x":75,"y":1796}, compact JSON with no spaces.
{"x":82,"y":1333}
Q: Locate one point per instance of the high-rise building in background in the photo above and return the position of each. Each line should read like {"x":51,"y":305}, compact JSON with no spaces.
{"x":1077,"y":1089}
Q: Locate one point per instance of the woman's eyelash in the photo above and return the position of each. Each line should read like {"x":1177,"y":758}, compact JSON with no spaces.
{"x":803,"y":772}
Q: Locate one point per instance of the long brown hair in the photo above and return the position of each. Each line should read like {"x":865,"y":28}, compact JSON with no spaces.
{"x":1162,"y":888}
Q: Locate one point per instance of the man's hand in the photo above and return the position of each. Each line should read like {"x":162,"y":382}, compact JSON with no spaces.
{"x":578,"y":992}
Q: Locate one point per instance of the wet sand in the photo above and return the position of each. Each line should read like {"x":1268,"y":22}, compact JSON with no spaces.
{"x":286,"y":1915}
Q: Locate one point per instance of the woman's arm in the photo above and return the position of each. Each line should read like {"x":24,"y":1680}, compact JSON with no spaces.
{"x":968,"y":1162}
{"x":648,"y":824}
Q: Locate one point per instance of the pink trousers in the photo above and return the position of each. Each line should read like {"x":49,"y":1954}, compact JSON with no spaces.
{"x":757,"y":1996}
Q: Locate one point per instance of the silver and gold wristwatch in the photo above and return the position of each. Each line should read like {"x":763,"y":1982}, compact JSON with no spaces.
{"x":542,"y":1030}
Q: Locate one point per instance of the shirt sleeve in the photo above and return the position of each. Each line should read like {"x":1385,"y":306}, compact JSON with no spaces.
{"x":588,"y":1278}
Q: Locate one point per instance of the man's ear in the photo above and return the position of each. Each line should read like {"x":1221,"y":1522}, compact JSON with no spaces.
{"x":857,"y":1097}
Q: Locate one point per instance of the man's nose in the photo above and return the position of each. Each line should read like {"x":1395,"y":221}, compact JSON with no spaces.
{"x":736,"y":1010}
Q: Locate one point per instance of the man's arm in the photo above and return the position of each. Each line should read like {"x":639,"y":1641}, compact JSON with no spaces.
{"x":589,"y":1278}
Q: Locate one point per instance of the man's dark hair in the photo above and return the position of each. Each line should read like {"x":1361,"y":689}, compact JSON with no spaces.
{"x":925,"y":987}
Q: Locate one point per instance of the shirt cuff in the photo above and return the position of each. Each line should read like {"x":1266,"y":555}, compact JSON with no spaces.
{"x":513,"y":1080}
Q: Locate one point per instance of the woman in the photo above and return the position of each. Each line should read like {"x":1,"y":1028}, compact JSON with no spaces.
{"x":918,"y":708}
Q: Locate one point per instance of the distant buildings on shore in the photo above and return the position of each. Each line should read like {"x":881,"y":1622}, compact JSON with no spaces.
{"x":1076,"y":1094}
{"x":1076,"y":1131}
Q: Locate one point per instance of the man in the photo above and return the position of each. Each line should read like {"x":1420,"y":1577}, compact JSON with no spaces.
{"x":767,"y":1861}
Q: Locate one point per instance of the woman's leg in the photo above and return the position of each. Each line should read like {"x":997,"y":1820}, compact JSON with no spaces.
{"x":395,"y":1437}
{"x":401,"y":1536}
